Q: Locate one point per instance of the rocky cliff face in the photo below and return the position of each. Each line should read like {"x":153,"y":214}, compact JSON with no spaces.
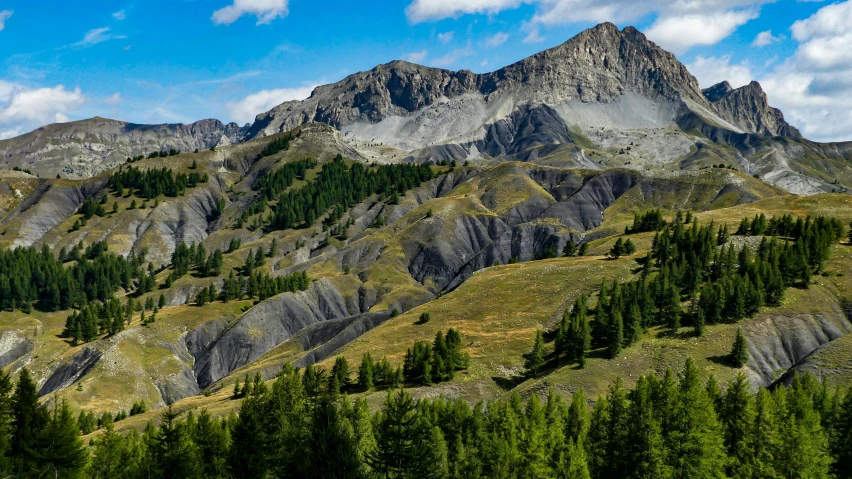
{"x":597,"y":66}
{"x":85,"y":148}
{"x":748,"y":108}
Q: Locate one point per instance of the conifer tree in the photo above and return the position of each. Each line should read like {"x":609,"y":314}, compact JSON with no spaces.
{"x":841,"y":438}
{"x":340,"y":375}
{"x":694,"y":436}
{"x":61,"y":452}
{"x":616,"y":335}
{"x":365,"y":372}
{"x":28,"y":420}
{"x":570,"y":248}
{"x":739,"y":352}
{"x":401,"y":437}
{"x":535,"y":358}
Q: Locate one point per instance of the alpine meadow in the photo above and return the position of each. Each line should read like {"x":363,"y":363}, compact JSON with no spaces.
{"x":582,"y":265}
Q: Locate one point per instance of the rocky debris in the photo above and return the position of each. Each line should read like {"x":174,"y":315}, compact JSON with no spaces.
{"x":344,"y":332}
{"x":781,"y":341}
{"x":72,"y":371}
{"x":85,"y":148}
{"x":13,"y":347}
{"x":748,"y":108}
{"x":175,"y":387}
{"x":264,"y":327}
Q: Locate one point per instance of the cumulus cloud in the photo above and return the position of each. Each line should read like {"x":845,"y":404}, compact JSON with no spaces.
{"x":265,"y":10}
{"x":245,"y":110}
{"x":425,"y":10}
{"x":416,"y":57}
{"x":115,"y":99}
{"x":119,"y":15}
{"x":534,"y":36}
{"x":21,"y":105}
{"x":812,"y":87}
{"x":446,"y":37}
{"x":679,"y":24}
{"x":712,"y":70}
{"x":680,"y":32}
{"x":97,"y":35}
{"x":766,"y":38}
{"x":452,"y":57}
{"x":496,"y":40}
{"x":4,"y":15}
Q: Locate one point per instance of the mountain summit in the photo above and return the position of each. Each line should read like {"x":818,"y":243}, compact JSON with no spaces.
{"x":605,"y":98}
{"x":601,"y":66}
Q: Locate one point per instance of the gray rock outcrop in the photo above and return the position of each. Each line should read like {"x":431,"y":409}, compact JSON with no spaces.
{"x":748,"y":108}
{"x":85,"y":148}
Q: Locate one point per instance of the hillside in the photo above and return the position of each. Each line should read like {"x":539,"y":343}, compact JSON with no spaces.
{"x":329,"y":227}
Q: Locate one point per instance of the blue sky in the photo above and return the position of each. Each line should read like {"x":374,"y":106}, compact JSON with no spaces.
{"x":184,"y":60}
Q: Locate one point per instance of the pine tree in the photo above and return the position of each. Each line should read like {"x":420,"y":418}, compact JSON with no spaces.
{"x":615,"y":339}
{"x":340,"y":376}
{"x":841,"y":438}
{"x":617,"y":249}
{"x":28,"y":420}
{"x":645,"y":449}
{"x":570,"y":248}
{"x":61,"y":451}
{"x":737,"y":415}
{"x":670,"y":310}
{"x":365,"y":372}
{"x":739,"y":352}
{"x":401,"y":437}
{"x":535,"y":358}
{"x":694,"y":436}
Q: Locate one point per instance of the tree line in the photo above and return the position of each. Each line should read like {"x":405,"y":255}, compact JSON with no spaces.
{"x":152,"y":183}
{"x":719,"y":284}
{"x":35,"y":277}
{"x":673,"y":426}
{"x":339,"y":184}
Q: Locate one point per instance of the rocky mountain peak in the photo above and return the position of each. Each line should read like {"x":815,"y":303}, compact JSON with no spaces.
{"x":748,"y":108}
{"x":717,"y":91}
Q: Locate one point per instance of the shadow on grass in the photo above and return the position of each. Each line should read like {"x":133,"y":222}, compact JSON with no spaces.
{"x":682,"y":333}
{"x":722,"y":360}
{"x":507,"y":384}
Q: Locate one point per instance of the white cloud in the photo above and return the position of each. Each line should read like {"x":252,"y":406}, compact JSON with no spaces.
{"x":417,"y":57}
{"x":812,"y":87}
{"x":496,"y":40}
{"x":114,"y":99}
{"x":424,"y":10}
{"x":446,"y":37}
{"x":713,"y":70}
{"x":265,"y":10}
{"x":766,"y":38}
{"x":98,"y":35}
{"x":119,"y":15}
{"x":534,"y":36}
{"x":42,"y":105}
{"x":4,"y":15}
{"x":245,"y":110}
{"x":11,"y":133}
{"x":679,"y":24}
{"x":453,"y":56}
{"x":680,"y":32}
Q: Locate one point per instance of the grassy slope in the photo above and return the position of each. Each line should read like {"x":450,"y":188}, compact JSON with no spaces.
{"x":499,"y":309}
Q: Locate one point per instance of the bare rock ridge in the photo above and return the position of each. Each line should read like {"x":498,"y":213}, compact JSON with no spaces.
{"x":85,"y":148}
{"x":599,"y":66}
{"x":748,"y":108}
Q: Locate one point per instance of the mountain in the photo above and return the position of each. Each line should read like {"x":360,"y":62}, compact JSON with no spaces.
{"x":748,"y":107}
{"x":85,"y":148}
{"x":605,"y":98}
{"x":562,"y":149}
